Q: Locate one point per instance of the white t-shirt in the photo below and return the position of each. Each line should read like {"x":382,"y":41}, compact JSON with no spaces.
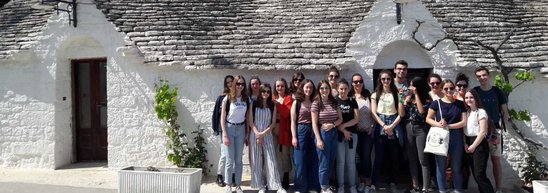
{"x":472,"y":124}
{"x":237,"y":111}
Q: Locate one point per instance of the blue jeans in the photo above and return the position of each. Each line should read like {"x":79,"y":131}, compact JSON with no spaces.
{"x":346,"y":156}
{"x":326,"y":157}
{"x":364,"y":150}
{"x":222,"y":159}
{"x":456,"y":151}
{"x":306,"y":160}
{"x":234,"y":153}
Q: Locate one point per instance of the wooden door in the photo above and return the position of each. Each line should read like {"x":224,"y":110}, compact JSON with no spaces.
{"x":90,"y":109}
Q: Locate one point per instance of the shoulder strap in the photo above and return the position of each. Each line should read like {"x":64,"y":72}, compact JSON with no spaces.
{"x":227,"y":105}
{"x":297,"y":109}
{"x":439,"y":109}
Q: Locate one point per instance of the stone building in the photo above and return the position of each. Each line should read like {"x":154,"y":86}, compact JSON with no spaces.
{"x":79,"y":85}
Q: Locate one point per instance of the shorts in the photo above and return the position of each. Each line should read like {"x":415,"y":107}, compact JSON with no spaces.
{"x":495,"y":149}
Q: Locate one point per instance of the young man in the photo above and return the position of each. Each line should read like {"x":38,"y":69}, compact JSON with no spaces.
{"x":495,"y":103}
{"x":400,"y":70}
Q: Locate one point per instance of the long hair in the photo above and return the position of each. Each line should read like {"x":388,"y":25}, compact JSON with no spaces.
{"x":379,"y":89}
{"x":343,"y":82}
{"x":286,"y":92}
{"x":226,"y":89}
{"x":365,"y":93}
{"x":297,"y":75}
{"x":477,"y":99}
{"x":259,"y":102}
{"x":233,"y":90}
{"x":422,"y":88}
{"x":299,"y":95}
{"x":330,"y":97}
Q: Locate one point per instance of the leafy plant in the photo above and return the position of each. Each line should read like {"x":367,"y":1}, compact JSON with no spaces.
{"x":534,"y":170}
{"x":179,"y":152}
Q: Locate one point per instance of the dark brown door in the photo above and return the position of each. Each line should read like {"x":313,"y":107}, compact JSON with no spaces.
{"x":90,"y":109}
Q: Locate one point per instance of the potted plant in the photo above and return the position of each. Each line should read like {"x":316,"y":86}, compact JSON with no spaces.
{"x":191,"y":162}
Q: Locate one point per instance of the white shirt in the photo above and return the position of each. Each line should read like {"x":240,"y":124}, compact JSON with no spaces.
{"x":237,"y":111}
{"x":472,"y":124}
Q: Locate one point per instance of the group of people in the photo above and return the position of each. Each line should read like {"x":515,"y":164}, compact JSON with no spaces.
{"x":322,"y":129}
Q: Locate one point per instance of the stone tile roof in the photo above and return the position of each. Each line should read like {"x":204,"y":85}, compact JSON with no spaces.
{"x":20,"y":25}
{"x":266,"y":34}
{"x":489,"y":21}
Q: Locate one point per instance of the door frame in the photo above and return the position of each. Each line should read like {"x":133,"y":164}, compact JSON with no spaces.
{"x":76,"y":100}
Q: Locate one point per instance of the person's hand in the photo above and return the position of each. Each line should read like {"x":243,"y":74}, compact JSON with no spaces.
{"x":226,"y":140}
{"x":471,"y":149}
{"x":370,"y":130}
{"x":295,"y":142}
{"x":327,"y":126}
{"x":260,"y":141}
{"x":319,"y":144}
{"x":347,"y":135}
{"x":442,"y":123}
{"x":388,"y":130}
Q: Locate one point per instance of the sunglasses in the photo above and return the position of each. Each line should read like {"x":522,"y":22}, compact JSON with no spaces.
{"x":298,"y":79}
{"x":462,"y":85}
{"x":386,"y":79}
{"x":333,"y":76}
{"x":324,"y":88}
{"x":240,"y":84}
{"x":435,"y":83}
{"x":449,"y":89}
{"x":266,"y":91}
{"x":357,"y":81}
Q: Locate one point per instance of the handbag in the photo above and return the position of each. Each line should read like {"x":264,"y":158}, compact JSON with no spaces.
{"x":437,"y":140}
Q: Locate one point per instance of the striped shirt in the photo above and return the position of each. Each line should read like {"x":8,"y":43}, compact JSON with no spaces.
{"x":327,"y":115}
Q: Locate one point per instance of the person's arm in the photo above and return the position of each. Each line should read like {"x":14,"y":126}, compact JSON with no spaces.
{"x":294,"y":120}
{"x":226,"y":140}
{"x":461,"y":123}
{"x":505,"y":115}
{"x":376,"y":117}
{"x":315,"y":127}
{"x":481,"y":135}
{"x":430,"y":119}
{"x":272,"y":122}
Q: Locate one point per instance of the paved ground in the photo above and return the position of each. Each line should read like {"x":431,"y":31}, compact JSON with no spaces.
{"x":97,"y":178}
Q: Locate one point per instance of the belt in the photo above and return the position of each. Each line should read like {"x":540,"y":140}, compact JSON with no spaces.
{"x":236,"y":123}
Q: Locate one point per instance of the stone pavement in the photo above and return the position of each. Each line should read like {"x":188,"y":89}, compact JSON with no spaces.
{"x":97,"y":178}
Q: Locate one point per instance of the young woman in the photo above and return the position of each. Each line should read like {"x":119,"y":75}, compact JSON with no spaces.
{"x":233,"y":125}
{"x":416,"y":106}
{"x":254,"y":85}
{"x":434,"y":80}
{"x":347,"y":138}
{"x":476,"y":143}
{"x":364,"y":129}
{"x":326,"y":116}
{"x":333,"y":77}
{"x":305,"y":156}
{"x":296,"y":83}
{"x":283,"y":101}
{"x":454,"y":119}
{"x":386,"y":112}
{"x":462,"y":85}
{"x":216,"y":124}
{"x":262,"y":120}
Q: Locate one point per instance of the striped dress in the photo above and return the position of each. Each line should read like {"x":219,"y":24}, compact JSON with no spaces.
{"x":263,"y":154}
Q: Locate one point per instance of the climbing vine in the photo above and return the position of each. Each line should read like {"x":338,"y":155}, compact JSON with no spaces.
{"x":179,"y":152}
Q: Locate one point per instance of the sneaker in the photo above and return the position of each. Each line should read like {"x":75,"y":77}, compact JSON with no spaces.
{"x":498,"y":191}
{"x":353,"y":190}
{"x":220,"y":181}
{"x":361,"y":187}
{"x":328,"y":190}
{"x":413,"y":190}
{"x":262,"y":190}
{"x":281,"y":190}
{"x":239,"y":190}
{"x":394,"y":188}
{"x":340,"y":189}
{"x":367,"y":189}
{"x":372,"y":189}
{"x":228,"y":189}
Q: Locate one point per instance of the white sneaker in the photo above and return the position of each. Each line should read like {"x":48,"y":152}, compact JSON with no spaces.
{"x":239,"y":190}
{"x":353,"y":190}
{"x":372,"y":189}
{"x":228,"y":189}
{"x":281,"y":190}
{"x":361,"y":187}
{"x":340,"y":189}
{"x":326,"y":191}
{"x":262,"y":190}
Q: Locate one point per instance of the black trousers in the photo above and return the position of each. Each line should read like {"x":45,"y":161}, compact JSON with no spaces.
{"x":478,"y":163}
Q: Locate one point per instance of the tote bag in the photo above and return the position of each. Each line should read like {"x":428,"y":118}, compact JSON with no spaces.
{"x":437,"y":140}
